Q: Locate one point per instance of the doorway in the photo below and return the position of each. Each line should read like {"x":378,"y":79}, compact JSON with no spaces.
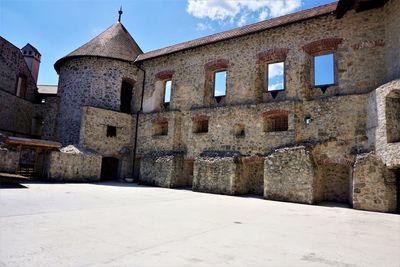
{"x":109,"y":169}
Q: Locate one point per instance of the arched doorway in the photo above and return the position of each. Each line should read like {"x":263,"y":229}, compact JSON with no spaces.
{"x":126,"y":97}
{"x":109,"y":168}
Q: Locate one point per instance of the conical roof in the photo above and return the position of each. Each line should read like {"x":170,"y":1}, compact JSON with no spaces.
{"x":115,"y":43}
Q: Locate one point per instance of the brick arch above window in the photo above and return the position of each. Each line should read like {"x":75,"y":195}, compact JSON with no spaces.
{"x":129,"y":80}
{"x":322,"y":45}
{"x":216,"y":65}
{"x":200,"y":118}
{"x":274,"y":54}
{"x":275,"y":112}
{"x":160,"y":120}
{"x":165,"y":74}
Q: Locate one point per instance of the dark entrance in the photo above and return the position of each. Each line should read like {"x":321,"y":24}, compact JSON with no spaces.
{"x":126,"y":97}
{"x":109,"y":168}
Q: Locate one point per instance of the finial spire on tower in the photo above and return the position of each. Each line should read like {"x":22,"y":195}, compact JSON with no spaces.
{"x":120,"y":13}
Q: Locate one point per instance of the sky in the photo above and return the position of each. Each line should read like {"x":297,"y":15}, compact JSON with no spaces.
{"x":57,"y":27}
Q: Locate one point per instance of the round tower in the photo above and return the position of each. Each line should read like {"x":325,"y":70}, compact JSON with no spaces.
{"x":99,"y":74}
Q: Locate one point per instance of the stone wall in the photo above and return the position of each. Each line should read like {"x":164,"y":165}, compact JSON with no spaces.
{"x":165,"y":169}
{"x":382,"y":119}
{"x":219,"y":172}
{"x":8,"y":160}
{"x":374,"y":187}
{"x":93,"y":135}
{"x":16,"y":113}
{"x":392,"y":34}
{"x":289,"y":175}
{"x":92,"y":82}
{"x":73,"y":167}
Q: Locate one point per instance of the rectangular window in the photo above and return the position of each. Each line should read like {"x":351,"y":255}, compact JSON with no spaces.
{"x":200,"y":126}
{"x":21,"y":86}
{"x":276,"y":123}
{"x":276,"y":76}
{"x":324,"y":70}
{"x":167,"y":91}
{"x":111,"y":131}
{"x":220,"y":83}
{"x":160,"y":128}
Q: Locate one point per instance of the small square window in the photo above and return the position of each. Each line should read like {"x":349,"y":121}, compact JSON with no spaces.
{"x":160,"y":128}
{"x":220,"y":83}
{"x":239,"y":130}
{"x":324,"y":70}
{"x":276,"y":76}
{"x":200,"y":126}
{"x":111,"y":131}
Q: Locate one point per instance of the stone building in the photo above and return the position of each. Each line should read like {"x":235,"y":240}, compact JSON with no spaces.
{"x":302,"y":108}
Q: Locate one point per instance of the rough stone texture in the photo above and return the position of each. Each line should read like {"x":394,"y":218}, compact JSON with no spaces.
{"x":374,"y":187}
{"x":392,"y":37}
{"x":163,"y":169}
{"x":93,"y":134}
{"x":220,"y":173}
{"x":8,"y":160}
{"x":289,"y":175}
{"x":383,"y":118}
{"x":351,"y":117}
{"x":73,"y":167}
{"x":92,"y":82}
{"x":16,"y":113}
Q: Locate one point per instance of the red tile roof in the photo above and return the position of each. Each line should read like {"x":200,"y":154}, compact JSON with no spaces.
{"x":252,"y":28}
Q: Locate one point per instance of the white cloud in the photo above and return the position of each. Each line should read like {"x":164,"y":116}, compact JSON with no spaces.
{"x":204,"y":26}
{"x":237,"y":10}
{"x":276,"y":86}
{"x":242,"y":20}
{"x":275,"y":70}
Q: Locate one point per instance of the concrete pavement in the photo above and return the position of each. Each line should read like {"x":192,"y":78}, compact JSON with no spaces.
{"x":112,"y":224}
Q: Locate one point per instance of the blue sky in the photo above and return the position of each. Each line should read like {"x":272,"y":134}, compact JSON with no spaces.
{"x":56,"y":27}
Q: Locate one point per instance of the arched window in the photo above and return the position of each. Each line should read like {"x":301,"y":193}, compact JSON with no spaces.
{"x":126,"y":97}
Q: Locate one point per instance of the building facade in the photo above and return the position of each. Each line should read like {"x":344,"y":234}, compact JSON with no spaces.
{"x":302,"y":108}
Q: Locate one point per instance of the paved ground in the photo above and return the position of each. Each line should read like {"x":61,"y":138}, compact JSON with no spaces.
{"x":127,"y":225}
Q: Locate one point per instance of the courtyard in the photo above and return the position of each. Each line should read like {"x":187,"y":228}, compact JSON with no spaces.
{"x":121,"y":224}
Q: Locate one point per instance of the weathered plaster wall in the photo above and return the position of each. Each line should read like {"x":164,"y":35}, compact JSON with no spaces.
{"x":374,"y":187}
{"x":73,"y":167}
{"x":289,"y":175}
{"x":92,"y":82}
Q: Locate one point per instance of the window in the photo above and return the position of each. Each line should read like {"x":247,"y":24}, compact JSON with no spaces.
{"x":276,"y":76}
{"x":126,"y":97}
{"x":200,"y":126}
{"x":21,"y":86}
{"x":160,"y":128}
{"x":276,"y":123}
{"x":392,"y":111}
{"x":220,"y":83}
{"x":111,"y":131}
{"x":167,"y":92}
{"x":324,"y":70}
{"x":239,"y":130}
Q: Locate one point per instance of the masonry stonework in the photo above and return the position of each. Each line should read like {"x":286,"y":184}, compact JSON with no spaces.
{"x":305,"y":143}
